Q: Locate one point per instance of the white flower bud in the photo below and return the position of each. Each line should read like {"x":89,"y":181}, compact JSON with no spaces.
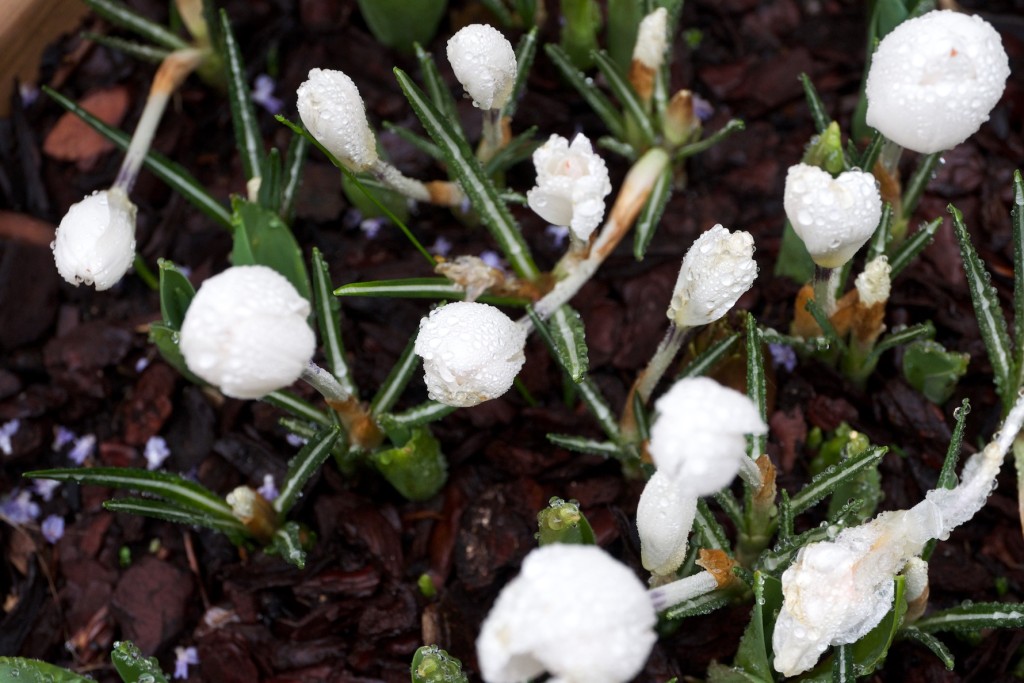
{"x":572,"y":182}
{"x":652,"y":39}
{"x":873,"y":285}
{"x":934,"y":80}
{"x":664,"y":518}
{"x":485,"y":64}
{"x":332,"y":110}
{"x":716,"y":271}
{"x":833,"y":217}
{"x":246,"y":332}
{"x":471,"y":353}
{"x":95,"y":241}
{"x":572,"y":611}
{"x":698,"y":436}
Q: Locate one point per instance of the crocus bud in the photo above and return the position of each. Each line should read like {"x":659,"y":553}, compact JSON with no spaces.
{"x":681,"y":123}
{"x":332,"y":110}
{"x":471,"y":353}
{"x":664,"y":518}
{"x":698,"y":437}
{"x":573,"y":611}
{"x":485,"y":64}
{"x":716,"y":271}
{"x":833,"y":217}
{"x":253,"y":510}
{"x":874,"y":283}
{"x":934,"y":80}
{"x":246,"y":332}
{"x":572,"y":182}
{"x":652,"y":39}
{"x":95,"y":241}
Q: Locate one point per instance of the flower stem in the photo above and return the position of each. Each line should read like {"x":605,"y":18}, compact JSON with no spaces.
{"x":324,"y":382}
{"x":826,"y":281}
{"x":671,"y":594}
{"x":666,"y":352}
{"x":492,"y":139}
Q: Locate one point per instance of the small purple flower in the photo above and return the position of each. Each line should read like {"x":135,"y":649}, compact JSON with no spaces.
{"x":18,"y":508}
{"x":557,"y":234}
{"x":371,"y":227}
{"x":263,"y":94}
{"x":296,"y":440}
{"x":156,"y":452}
{"x":492,"y":259}
{"x":8,"y":430}
{"x":702,"y":108}
{"x":83,"y":448}
{"x":53,"y":528}
{"x":44,"y":488}
{"x":441,"y":247}
{"x":62,"y":436}
{"x":141,"y":364}
{"x":268,"y":490}
{"x":184,"y":657}
{"x":29,"y":93}
{"x":783,"y":356}
{"x":352,"y":218}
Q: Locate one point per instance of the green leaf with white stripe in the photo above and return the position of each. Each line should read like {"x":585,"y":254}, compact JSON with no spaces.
{"x":925,"y":330}
{"x":298,"y":407}
{"x":243,"y":114}
{"x":989,"y":315}
{"x":974,"y":617}
{"x":140,"y":51}
{"x":650,"y":217}
{"x":168,"y":512}
{"x":704,"y":604}
{"x":818,"y":113}
{"x":709,"y":531}
{"x":1017,"y":224}
{"x":396,"y":381}
{"x":623,"y":90}
{"x":438,"y":90}
{"x":424,"y":413}
{"x":757,"y":385}
{"x":295,"y":161}
{"x":437,"y":288}
{"x":121,"y":15}
{"x":328,"y":318}
{"x":526,"y":52}
{"x":827,"y":482}
{"x":585,"y":86}
{"x":599,"y":408}
{"x":290,"y":543}
{"x":303,"y":466}
{"x":565,"y":337}
{"x":912,"y":246}
{"x":418,"y":141}
{"x":519,"y":148}
{"x":842,"y":665}
{"x":937,"y":647}
{"x":474,"y":181}
{"x":706,"y":360}
{"x":880,"y":240}
{"x":578,"y":444}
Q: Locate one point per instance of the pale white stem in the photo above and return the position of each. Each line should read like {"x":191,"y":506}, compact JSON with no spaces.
{"x":324,"y":382}
{"x":826,"y":281}
{"x":492,"y":138}
{"x":393,"y":178}
{"x":662,"y":358}
{"x":750,"y":473}
{"x":671,"y":594}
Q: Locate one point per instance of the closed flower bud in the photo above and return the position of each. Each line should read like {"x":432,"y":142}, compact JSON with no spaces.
{"x":716,"y":271}
{"x":874,"y":283}
{"x":934,"y":80}
{"x":574,"y":612}
{"x":652,"y":39}
{"x":246,"y":332}
{"x":471,"y":353}
{"x":95,"y":241}
{"x":664,"y":518}
{"x":833,"y":217}
{"x":572,"y":182}
{"x":332,"y":110}
{"x":485,"y":64}
{"x":698,"y":438}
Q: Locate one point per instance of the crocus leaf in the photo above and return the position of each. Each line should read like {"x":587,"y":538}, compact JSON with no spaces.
{"x":243,"y":113}
{"x":601,"y":105}
{"x":581,"y":445}
{"x":328,"y":318}
{"x":303,"y":466}
{"x":974,"y":617}
{"x":826,"y":482}
{"x":262,"y":238}
{"x":22,"y":670}
{"x":650,"y":217}
{"x":176,"y":294}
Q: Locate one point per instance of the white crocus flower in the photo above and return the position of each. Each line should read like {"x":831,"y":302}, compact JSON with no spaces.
{"x":873,"y":285}
{"x":833,"y":216}
{"x":333,"y":111}
{"x":698,"y":438}
{"x":471,"y":353}
{"x":664,"y":518}
{"x":837,"y":591}
{"x":485,"y":64}
{"x":652,"y":39}
{"x":716,"y":271}
{"x":574,"y":612}
{"x":572,"y":183}
{"x":95,"y":241}
{"x":246,"y":332}
{"x":934,"y":80}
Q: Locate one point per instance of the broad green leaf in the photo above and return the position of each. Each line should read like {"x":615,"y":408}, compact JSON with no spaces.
{"x":402,"y":23}
{"x":417,"y":469}
{"x":703,"y":362}
{"x":580,"y":21}
{"x":708,"y":530}
{"x":585,"y":86}
{"x":243,"y":114}
{"x":719,"y":673}
{"x":475,"y":183}
{"x":121,"y":15}
{"x":303,"y":466}
{"x":176,"y":294}
{"x":623,"y":19}
{"x":22,"y":670}
{"x":262,"y":238}
{"x":974,"y":617}
{"x":650,"y":217}
{"x":623,"y":90}
{"x":431,"y":664}
{"x":133,"y":667}
{"x":169,"y":171}
{"x":869,"y":652}
{"x":932,"y":370}
{"x":578,"y":444}
{"x":755,"y":652}
{"x":989,"y":315}
{"x":794,"y":261}
{"x":396,"y":381}
{"x":291,"y":543}
{"x":169,"y":512}
{"x":269,"y":194}
{"x":299,"y":407}
{"x":328,"y":318}
{"x":438,"y":90}
{"x":757,"y":384}
{"x":165,"y":339}
{"x":565,"y":338}
{"x":826,"y":482}
{"x":526,"y":52}
{"x":912,"y":246}
{"x":937,"y":647}
{"x":704,"y":604}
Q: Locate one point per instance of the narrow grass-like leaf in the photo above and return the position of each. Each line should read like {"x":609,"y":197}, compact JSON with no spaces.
{"x":712,"y":535}
{"x":585,"y":86}
{"x":499,"y":10}
{"x":176,"y":294}
{"x":974,"y":617}
{"x":120,"y":14}
{"x":287,"y":544}
{"x":564,"y":336}
{"x":140,"y":51}
{"x":1017,"y":224}
{"x":704,"y":604}
{"x":418,"y":141}
{"x":989,"y":315}
{"x":918,"y":181}
{"x":925,"y":330}
{"x":519,"y":148}
{"x":642,"y":417}
{"x":827,"y":330}
{"x":243,"y":114}
{"x":526,"y":51}
{"x":947,"y":475}
{"x":876,"y":247}
{"x":709,"y":357}
{"x":298,"y":407}
{"x":731,"y":126}
{"x":295,"y":161}
{"x":168,"y":512}
{"x":616,"y":146}
{"x":819,"y":115}
{"x":730,"y":506}
{"x":650,"y":217}
{"x":624,"y":92}
{"x":871,"y":152}
{"x":15,"y":669}
{"x":591,"y":395}
{"x":269,"y":193}
{"x":424,"y":413}
{"x":173,"y":487}
{"x":328,"y":318}
{"x":436,"y":87}
{"x":757,"y":384}
{"x":912,"y":246}
{"x":408,"y":288}
{"x":842,"y":665}
{"x":937,"y":647}
{"x":303,"y":466}
{"x":394,"y":384}
{"x":475,"y":183}
{"x":578,"y":444}
{"x":785,"y":516}
{"x":172,"y":173}
{"x":133,"y":666}
{"x":826,"y":482}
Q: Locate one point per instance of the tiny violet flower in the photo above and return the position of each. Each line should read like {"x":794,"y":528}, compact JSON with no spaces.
{"x":156,"y":452}
{"x":53,"y":528}
{"x":492,"y":259}
{"x":95,"y":241}
{"x":833,"y":217}
{"x":574,"y":612}
{"x":62,"y":436}
{"x":263,"y":94}
{"x":558,"y":234}
{"x":141,"y":364}
{"x":664,"y":518}
{"x":44,"y":488}
{"x":333,"y":111}
{"x":296,"y":440}
{"x":441,"y":247}
{"x":572,"y":183}
{"x":184,"y":657}
{"x":484,"y":63}
{"x":246,"y":332}
{"x":716,"y":271}
{"x":268,"y":490}
{"x":935,"y":79}
{"x":783,"y":356}
{"x":471,"y":353}
{"x":698,"y":439}
{"x":7,"y":431}
{"x":29,"y":93}
{"x":371,"y":227}
{"x":18,"y":508}
{"x":83,"y":449}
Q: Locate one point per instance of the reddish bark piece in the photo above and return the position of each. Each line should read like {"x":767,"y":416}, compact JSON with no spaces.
{"x":497,"y":532}
{"x":73,"y":140}
{"x":149,"y":406}
{"x":77,"y":359}
{"x":224,"y":656}
{"x":790,"y":429}
{"x":150,"y":602}
{"x":828,"y":413}
{"x":23,"y":228}
{"x":28,"y":293}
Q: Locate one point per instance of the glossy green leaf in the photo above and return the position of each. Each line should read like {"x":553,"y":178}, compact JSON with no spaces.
{"x":731,"y":126}
{"x":585,"y":86}
{"x":755,"y":652}
{"x":169,"y":512}
{"x":819,"y":115}
{"x":426,"y":412}
{"x":704,"y":604}
{"x":825,"y":483}
{"x":578,"y":444}
{"x":908,"y":335}
{"x":303,"y":466}
{"x":627,"y":97}
{"x":880,"y":240}
{"x":974,"y":617}
{"x":869,"y":652}
{"x":794,"y":261}
{"x":165,"y":339}
{"x":827,"y":330}
{"x":262,"y":238}
{"x":133,"y":667}
{"x":402,"y":23}
{"x":431,"y":664}
{"x":932,"y":370}
{"x":176,"y":294}
{"x":243,"y":113}
{"x":719,"y":673}
{"x":121,"y":15}
{"x":919,"y":179}
{"x":22,"y":670}
{"x":937,"y":647}
{"x":563,"y":522}
{"x":842,"y":665}
{"x":870,"y":156}
{"x":731,"y":507}
{"x":328,"y":318}
{"x":912,"y":246}
{"x":650,"y":217}
{"x":565,"y":338}
{"x":599,"y":408}
{"x":291,"y":542}
{"x":518,"y":149}
{"x":623,"y":20}
{"x":269,"y":194}
{"x":417,"y":469}
{"x":437,"y":288}
{"x":580,"y":21}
